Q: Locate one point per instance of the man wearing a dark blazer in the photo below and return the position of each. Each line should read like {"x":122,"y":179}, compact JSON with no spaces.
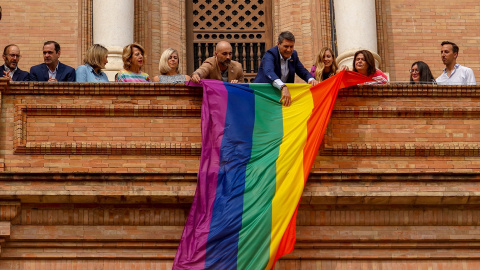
{"x":52,"y":70}
{"x":279,"y":66}
{"x":10,"y":69}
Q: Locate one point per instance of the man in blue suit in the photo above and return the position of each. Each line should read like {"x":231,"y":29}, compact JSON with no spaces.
{"x":279,"y":66}
{"x":10,"y":70}
{"x":52,"y":70}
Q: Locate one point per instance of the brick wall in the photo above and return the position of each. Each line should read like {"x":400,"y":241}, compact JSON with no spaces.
{"x":102,"y":176}
{"x":281,"y":265}
{"x":414,"y":30}
{"x":408,"y":31}
{"x":440,"y":135}
{"x":172,"y":32}
{"x":141,"y":128}
{"x":30,"y":23}
{"x":307,"y":20}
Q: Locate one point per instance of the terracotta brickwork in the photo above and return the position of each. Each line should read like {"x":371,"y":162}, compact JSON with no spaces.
{"x":171,"y":31}
{"x":309,"y":21}
{"x":165,"y":125}
{"x":282,"y":265}
{"x":424,"y":131}
{"x":407,"y":31}
{"x":30,"y":23}
{"x":101,"y":176}
{"x":413,"y":31}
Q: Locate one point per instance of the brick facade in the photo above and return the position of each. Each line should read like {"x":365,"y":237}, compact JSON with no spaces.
{"x":413,"y":31}
{"x":102,"y":176}
{"x":407,"y":31}
{"x":30,"y":23}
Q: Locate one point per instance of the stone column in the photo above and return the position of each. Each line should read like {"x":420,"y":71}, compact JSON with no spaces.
{"x":113,"y":24}
{"x":356,"y":27}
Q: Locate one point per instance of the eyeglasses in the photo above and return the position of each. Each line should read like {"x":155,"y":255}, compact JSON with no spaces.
{"x":14,"y":55}
{"x":414,"y":71}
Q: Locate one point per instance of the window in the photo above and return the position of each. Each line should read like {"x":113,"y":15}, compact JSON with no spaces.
{"x":246,"y":24}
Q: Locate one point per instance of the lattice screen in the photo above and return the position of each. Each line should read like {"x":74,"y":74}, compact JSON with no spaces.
{"x":233,"y":14}
{"x":245,"y":24}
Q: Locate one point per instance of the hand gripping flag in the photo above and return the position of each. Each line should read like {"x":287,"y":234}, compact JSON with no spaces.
{"x":256,"y":157}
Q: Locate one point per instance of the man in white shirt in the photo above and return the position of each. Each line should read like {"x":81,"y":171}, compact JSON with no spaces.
{"x":453,"y":73}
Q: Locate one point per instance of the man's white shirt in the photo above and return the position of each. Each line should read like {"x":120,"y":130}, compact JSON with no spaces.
{"x":460,"y":76}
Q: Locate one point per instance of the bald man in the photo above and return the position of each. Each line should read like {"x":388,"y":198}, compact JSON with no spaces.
{"x":220,"y":67}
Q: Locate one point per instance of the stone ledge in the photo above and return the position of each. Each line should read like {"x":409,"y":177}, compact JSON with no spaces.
{"x":315,"y":176}
{"x":321,"y":189}
{"x":300,"y":252}
{"x":329,"y":236}
{"x":411,"y":90}
{"x":404,"y":112}
{"x":319,"y":242}
{"x":141,"y":89}
{"x":403,"y":150}
{"x":95,"y":233}
{"x":115,"y":89}
{"x":109,"y":148}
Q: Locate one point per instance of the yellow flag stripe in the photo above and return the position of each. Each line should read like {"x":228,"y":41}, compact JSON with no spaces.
{"x":290,"y":173}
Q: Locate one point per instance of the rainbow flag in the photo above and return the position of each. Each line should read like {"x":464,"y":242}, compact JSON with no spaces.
{"x":256,"y":157}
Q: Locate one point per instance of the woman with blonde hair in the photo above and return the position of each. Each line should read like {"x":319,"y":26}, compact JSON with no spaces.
{"x":169,"y":68}
{"x":95,"y":60}
{"x":325,"y":65}
{"x":133,"y":58}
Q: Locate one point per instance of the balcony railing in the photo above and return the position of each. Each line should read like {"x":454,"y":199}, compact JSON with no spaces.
{"x":247,"y":54}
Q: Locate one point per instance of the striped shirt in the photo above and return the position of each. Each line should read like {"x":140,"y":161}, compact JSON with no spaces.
{"x":129,"y":76}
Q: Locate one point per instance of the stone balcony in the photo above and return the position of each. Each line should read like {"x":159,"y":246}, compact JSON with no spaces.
{"x":104,"y":174}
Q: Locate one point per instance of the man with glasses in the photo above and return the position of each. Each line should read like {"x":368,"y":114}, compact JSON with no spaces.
{"x":453,"y":73}
{"x":10,"y":70}
{"x":52,"y":70}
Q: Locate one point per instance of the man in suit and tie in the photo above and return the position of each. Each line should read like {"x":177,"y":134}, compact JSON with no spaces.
{"x":279,"y":66}
{"x":52,"y":70}
{"x":10,"y":69}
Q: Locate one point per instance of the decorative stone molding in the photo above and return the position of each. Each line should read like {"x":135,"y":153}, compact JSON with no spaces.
{"x":411,"y":90}
{"x":9,"y":210}
{"x":97,"y":89}
{"x":24,"y":113}
{"x":403,"y":150}
{"x":361,"y":189}
{"x":405,"y":112}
